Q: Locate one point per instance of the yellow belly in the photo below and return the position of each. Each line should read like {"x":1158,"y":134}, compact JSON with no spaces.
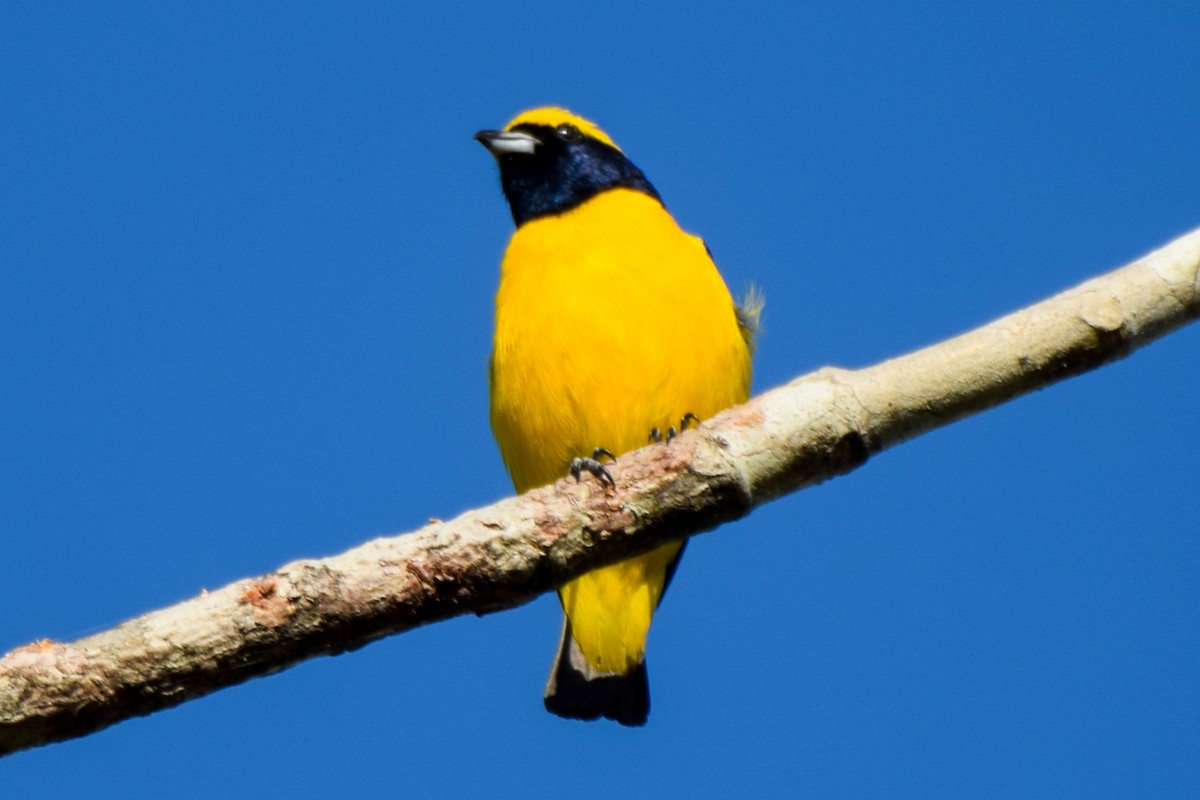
{"x":610,"y":321}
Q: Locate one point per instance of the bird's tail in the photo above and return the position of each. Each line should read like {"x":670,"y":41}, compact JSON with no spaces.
{"x":576,"y":690}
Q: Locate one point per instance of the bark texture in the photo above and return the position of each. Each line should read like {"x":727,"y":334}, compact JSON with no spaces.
{"x":814,"y":428}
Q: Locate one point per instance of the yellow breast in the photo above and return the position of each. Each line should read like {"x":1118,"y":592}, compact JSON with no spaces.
{"x":610,"y":321}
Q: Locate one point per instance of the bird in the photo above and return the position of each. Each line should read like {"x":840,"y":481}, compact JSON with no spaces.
{"x":612,"y":326}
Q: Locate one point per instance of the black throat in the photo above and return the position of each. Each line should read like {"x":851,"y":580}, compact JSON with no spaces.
{"x":562,"y":175}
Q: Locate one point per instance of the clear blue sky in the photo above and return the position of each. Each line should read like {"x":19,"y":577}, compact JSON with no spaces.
{"x":247,"y":260}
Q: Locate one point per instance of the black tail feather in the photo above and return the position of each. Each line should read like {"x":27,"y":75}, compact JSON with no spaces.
{"x":577,"y":691}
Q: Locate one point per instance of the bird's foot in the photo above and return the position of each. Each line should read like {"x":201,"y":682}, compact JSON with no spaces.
{"x":656,"y":434}
{"x":594,"y":467}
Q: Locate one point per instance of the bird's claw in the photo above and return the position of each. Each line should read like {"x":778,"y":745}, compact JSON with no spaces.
{"x":656,"y":434}
{"x":593,"y":467}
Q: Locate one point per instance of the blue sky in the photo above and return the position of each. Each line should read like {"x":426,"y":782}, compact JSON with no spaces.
{"x":247,"y":258}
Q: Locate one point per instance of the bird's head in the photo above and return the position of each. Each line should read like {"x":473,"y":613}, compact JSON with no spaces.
{"x":552,"y":161}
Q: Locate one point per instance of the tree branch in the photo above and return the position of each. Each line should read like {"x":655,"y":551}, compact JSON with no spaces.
{"x":812,"y":429}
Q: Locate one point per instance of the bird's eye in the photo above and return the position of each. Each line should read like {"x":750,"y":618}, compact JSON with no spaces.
{"x":568,"y":132}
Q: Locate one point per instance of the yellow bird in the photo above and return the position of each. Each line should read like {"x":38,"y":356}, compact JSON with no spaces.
{"x":613,"y":328}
